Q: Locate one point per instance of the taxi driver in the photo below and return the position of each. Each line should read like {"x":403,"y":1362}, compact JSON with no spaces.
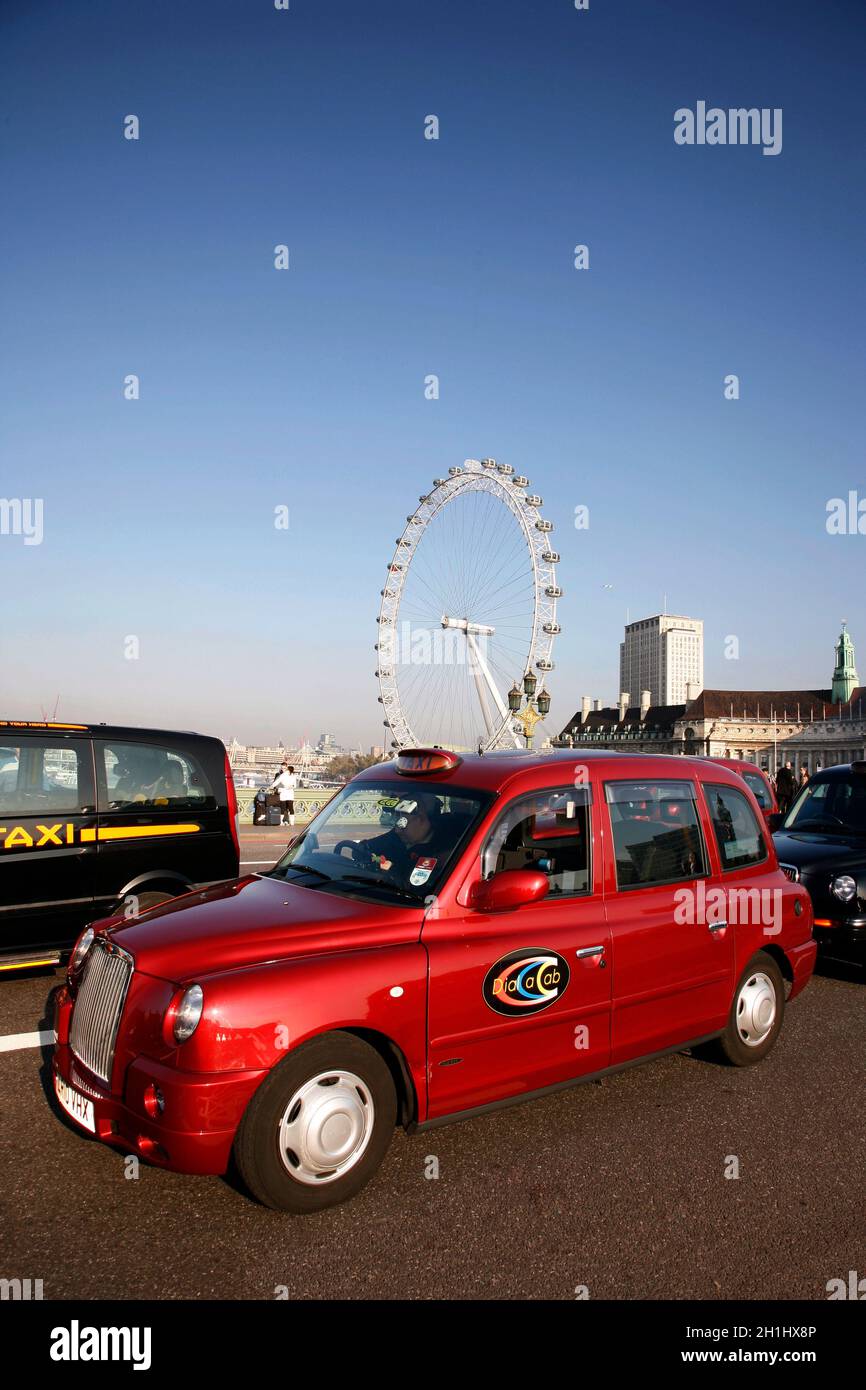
{"x":409,"y":848}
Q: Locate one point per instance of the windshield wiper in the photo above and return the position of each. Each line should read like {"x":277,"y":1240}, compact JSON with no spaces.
{"x":304,"y":869}
{"x":379,"y":883}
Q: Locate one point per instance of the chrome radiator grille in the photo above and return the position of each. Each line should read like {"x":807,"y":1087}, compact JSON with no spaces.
{"x":98,"y":1006}
{"x":790,"y":872}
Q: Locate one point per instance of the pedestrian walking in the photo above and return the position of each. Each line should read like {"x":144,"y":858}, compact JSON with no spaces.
{"x":804,"y":774}
{"x":284,"y":784}
{"x":786,"y":787}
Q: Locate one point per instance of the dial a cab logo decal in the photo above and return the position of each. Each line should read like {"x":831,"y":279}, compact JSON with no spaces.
{"x":525,"y":982}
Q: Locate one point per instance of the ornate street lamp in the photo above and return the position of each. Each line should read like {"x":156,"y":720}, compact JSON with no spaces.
{"x":533,"y":711}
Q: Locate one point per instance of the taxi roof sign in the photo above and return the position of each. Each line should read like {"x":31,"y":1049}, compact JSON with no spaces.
{"x":38,"y":724}
{"x":421,"y":762}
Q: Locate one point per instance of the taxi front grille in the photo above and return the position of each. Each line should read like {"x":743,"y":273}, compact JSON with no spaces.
{"x":98,"y":1006}
{"x":791,"y":871}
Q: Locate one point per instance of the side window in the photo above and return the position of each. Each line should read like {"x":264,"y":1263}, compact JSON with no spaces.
{"x":140,"y":775}
{"x":656,"y":833}
{"x":738,"y":834}
{"x":758,"y":787}
{"x":550,"y":831}
{"x":44,"y":779}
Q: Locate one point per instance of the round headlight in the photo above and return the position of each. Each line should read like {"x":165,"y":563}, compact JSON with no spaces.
{"x":188,"y":1013}
{"x":82,"y":946}
{"x":844,"y":888}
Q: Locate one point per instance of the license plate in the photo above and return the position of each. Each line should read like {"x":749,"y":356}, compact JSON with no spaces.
{"x":75,"y":1104}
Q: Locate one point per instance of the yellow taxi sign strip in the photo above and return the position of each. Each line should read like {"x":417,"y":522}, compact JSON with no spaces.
{"x":28,"y":964}
{"x":39,"y":724}
{"x":134,"y":832}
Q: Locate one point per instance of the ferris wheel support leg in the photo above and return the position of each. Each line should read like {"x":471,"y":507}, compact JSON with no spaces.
{"x":479,"y":669}
{"x":475,"y":663}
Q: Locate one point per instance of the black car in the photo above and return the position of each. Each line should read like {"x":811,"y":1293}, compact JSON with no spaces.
{"x":821,"y":843}
{"x":96,"y":819}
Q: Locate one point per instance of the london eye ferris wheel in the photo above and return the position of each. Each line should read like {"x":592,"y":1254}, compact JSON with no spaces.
{"x":468,"y":608}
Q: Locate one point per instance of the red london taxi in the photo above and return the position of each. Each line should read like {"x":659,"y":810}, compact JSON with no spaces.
{"x":450,"y":934}
{"x":757,"y":780}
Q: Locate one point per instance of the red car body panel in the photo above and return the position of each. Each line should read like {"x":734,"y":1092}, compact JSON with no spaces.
{"x":280,"y":963}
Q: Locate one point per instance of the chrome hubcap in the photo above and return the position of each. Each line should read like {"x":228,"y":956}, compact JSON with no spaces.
{"x":326,"y":1127}
{"x":756,"y":1009}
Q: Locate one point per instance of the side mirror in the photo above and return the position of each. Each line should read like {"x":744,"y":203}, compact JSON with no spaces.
{"x":509,"y":890}
{"x":774,"y":820}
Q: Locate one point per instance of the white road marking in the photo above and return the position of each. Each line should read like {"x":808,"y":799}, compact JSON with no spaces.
{"x":14,"y":1042}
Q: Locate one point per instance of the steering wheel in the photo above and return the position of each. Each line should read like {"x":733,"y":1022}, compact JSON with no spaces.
{"x":365,"y":859}
{"x":351,"y":845}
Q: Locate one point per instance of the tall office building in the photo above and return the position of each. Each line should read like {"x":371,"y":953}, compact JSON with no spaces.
{"x":664,"y":655}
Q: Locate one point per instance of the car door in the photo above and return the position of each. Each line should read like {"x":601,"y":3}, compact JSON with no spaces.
{"x":47,"y":839}
{"x":520,"y":999}
{"x":157,"y":815}
{"x":673,"y":958}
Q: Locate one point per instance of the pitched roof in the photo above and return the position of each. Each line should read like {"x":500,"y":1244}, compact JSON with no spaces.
{"x":662,"y":716}
{"x":773,"y":704}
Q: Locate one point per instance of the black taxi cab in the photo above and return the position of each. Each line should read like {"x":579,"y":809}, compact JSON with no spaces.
{"x":821,"y":843}
{"x":96,"y":819}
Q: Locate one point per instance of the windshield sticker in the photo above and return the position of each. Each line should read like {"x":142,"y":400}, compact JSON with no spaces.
{"x":421,"y":872}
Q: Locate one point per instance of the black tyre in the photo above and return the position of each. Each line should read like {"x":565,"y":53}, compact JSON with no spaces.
{"x":318,"y":1127}
{"x":756,"y":1013}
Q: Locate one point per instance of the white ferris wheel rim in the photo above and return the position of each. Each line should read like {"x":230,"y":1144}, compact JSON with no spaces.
{"x":513,"y":491}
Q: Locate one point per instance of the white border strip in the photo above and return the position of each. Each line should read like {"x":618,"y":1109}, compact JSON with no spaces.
{"x":16,"y":1042}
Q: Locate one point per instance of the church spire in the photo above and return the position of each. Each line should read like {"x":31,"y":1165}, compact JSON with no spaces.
{"x":845,"y":679}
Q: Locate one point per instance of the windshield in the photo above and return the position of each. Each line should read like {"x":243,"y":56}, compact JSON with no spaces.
{"x":391,"y":841}
{"x":836,"y":804}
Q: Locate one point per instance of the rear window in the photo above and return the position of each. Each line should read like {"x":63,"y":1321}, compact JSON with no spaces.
{"x":145,"y":776}
{"x":759,"y":789}
{"x":738,"y":834}
{"x":656,"y":833}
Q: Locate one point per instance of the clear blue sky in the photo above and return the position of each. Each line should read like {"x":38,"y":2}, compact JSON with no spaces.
{"x":411,"y":257}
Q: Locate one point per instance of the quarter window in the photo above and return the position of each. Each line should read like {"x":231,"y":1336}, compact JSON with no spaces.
{"x":738,"y":834}
{"x":550,"y":831}
{"x":656,"y":833}
{"x":41,"y":779}
{"x":139,"y":775}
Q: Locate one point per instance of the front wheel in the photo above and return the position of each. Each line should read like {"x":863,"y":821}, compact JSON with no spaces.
{"x":318,"y":1127}
{"x":756,"y":1013}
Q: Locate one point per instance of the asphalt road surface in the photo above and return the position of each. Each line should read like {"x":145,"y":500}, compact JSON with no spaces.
{"x":619,"y":1186}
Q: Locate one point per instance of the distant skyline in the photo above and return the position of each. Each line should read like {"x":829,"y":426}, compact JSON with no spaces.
{"x":162,"y":591}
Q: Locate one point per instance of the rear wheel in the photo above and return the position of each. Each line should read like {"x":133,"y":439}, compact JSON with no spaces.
{"x":756,"y":1013}
{"x":318,"y":1127}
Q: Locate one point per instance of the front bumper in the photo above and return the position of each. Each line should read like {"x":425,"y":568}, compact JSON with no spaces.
{"x":196,"y":1130}
{"x":846,"y":937}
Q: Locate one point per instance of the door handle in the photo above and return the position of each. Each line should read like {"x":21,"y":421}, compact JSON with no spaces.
{"x":586,"y":951}
{"x":716,"y":926}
